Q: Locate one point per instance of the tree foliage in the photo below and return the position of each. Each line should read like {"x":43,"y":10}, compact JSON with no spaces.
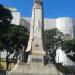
{"x":15,"y":37}
{"x":5,"y":19}
{"x":12,"y":37}
{"x":69,"y":47}
{"x":53,"y":39}
{"x":5,"y":15}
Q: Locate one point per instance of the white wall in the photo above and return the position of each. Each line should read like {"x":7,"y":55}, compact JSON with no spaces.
{"x":16,"y":18}
{"x":65,"y":25}
{"x":62,"y":58}
{"x":49,"y":23}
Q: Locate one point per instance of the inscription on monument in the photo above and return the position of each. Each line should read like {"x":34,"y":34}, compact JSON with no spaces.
{"x":36,"y":45}
{"x":36,"y":60}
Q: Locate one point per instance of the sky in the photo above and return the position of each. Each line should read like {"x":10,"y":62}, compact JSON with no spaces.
{"x":52,"y":8}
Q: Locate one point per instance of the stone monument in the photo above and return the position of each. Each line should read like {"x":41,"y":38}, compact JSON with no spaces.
{"x":35,"y":44}
{"x":34,"y":65}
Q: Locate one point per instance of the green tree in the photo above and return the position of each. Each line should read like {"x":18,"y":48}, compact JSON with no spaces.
{"x":69,"y":47}
{"x":14,"y":39}
{"x":5,"y":15}
{"x":53,"y":39}
{"x":5,"y":20}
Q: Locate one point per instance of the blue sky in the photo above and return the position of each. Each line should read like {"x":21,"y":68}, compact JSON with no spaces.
{"x":52,"y":8}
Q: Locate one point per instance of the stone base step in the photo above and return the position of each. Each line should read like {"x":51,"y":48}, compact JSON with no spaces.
{"x":34,"y":69}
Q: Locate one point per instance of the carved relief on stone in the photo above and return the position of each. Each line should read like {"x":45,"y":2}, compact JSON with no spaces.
{"x":37,"y":29}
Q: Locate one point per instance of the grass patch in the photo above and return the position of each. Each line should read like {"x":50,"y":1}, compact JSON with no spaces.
{"x":3,"y":66}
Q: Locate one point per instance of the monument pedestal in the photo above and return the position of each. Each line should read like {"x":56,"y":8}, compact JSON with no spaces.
{"x":35,"y":58}
{"x":34,"y":69}
{"x":35,"y":66}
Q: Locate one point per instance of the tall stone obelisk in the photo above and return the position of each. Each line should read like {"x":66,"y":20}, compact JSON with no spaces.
{"x":35,"y":44}
{"x":35,"y":47}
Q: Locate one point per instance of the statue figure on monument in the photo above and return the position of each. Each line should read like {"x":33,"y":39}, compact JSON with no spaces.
{"x":37,"y":29}
{"x":37,"y":1}
{"x":38,"y":26}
